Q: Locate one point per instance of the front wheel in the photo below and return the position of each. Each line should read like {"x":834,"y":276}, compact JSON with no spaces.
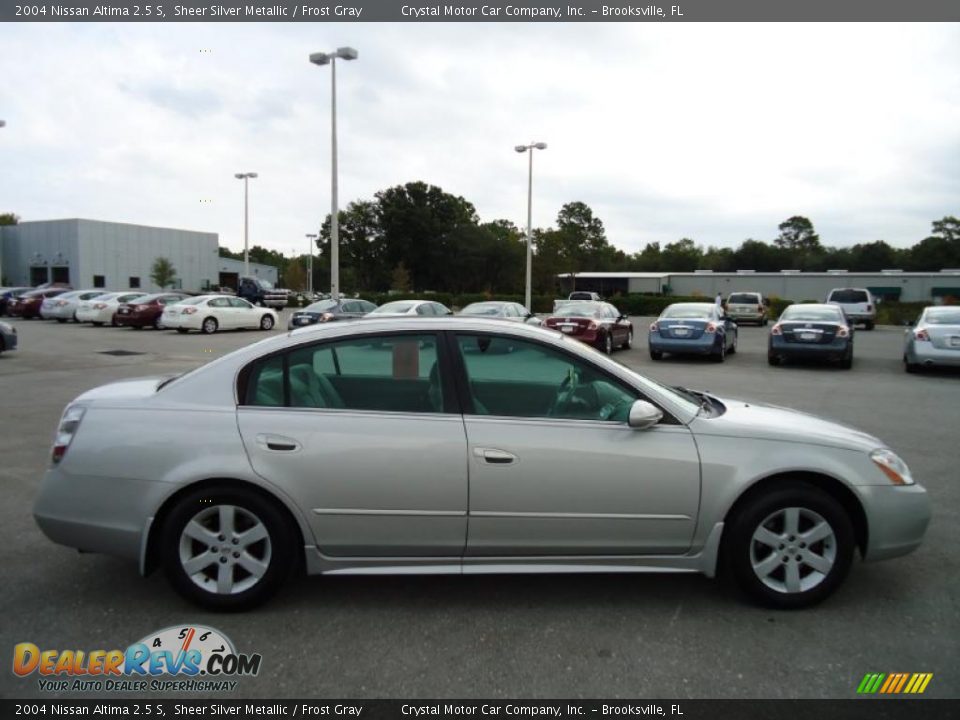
{"x":266,"y":322}
{"x":209,"y":326}
{"x":61,"y":320}
{"x":628,"y":343}
{"x":608,"y":344}
{"x":790,"y":547}
{"x":227,"y":548}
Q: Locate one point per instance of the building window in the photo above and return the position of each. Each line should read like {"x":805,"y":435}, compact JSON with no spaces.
{"x":134,"y":282}
{"x":99,"y":281}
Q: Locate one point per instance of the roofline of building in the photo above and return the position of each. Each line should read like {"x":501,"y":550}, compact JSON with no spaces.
{"x":853,"y":273}
{"x":111,"y":222}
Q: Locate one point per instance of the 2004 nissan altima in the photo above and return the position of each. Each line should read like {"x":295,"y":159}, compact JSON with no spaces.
{"x":456,"y":445}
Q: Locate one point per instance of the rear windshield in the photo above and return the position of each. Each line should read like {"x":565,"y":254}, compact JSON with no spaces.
{"x":482,"y":309}
{"x":691,"y":311}
{"x":944,"y":316}
{"x":812,"y":313}
{"x":146,"y":299}
{"x":849,"y":296}
{"x":394,"y":307}
{"x":322,"y":306}
{"x":581,"y":296}
{"x":744,"y":299}
{"x":192,"y":301}
{"x":578,"y":309}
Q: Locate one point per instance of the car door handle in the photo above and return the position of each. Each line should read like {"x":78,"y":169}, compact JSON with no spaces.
{"x":494,"y":456}
{"x":278,"y":443}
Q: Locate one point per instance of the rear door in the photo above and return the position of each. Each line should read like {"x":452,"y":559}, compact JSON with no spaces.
{"x":366,"y":435}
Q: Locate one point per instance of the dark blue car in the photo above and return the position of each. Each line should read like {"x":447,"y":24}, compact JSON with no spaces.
{"x":812,"y":331}
{"x":693,"y":329}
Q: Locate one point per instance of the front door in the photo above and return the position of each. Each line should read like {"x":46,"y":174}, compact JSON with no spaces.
{"x":366,"y":437}
{"x":554,"y":467}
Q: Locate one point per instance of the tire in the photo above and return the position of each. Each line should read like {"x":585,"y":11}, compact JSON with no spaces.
{"x":869,"y":325}
{"x":157,"y":325}
{"x":763,"y":323}
{"x":182,"y":331}
{"x":773,"y":360}
{"x":209,"y":326}
{"x":97,"y":324}
{"x":820,"y":565}
{"x":656,"y":355}
{"x":721,"y":354}
{"x":61,"y":320}
{"x":847,"y":361}
{"x":909,"y":366}
{"x":266,"y":322}
{"x":249,"y":573}
{"x":608,"y":344}
{"x":628,"y":343}
{"x":733,"y":346}
{"x":113,"y":321}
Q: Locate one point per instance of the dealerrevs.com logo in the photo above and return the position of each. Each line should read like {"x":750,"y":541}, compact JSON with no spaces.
{"x":176,"y":659}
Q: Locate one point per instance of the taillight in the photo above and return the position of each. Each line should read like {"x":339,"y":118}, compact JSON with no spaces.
{"x":188,"y":311}
{"x":654,"y":327}
{"x":921,"y":335}
{"x":776,"y":330}
{"x":711,"y":327}
{"x":99,"y":306}
{"x":843,"y":332}
{"x":65,"y":432}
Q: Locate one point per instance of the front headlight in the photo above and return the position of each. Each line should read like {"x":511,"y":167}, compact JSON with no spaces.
{"x":892,"y":466}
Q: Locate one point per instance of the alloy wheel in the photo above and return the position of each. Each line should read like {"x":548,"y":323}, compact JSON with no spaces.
{"x":793,"y":550}
{"x":225,"y":549}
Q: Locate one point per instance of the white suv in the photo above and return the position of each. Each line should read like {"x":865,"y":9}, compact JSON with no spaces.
{"x":857,"y":304}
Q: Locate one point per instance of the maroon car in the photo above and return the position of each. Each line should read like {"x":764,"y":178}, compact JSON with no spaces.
{"x":28,"y":305}
{"x":596,"y":323}
{"x":146,"y":311}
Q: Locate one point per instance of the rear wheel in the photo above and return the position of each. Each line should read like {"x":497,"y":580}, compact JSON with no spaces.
{"x":656,"y":355}
{"x":909,"y":366}
{"x":868,"y":325}
{"x":209,"y":325}
{"x":721,"y":354}
{"x":733,"y":345}
{"x":182,"y":331}
{"x":227,"y":548}
{"x":97,"y":324}
{"x":61,"y":320}
{"x":790,"y":547}
{"x":846,"y":362}
{"x":157,"y":325}
{"x":773,"y":360}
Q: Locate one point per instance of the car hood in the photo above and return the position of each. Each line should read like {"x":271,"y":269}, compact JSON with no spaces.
{"x":744,"y":419}
{"x":123,"y":390}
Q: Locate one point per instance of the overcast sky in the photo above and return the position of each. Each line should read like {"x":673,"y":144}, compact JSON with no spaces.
{"x":716,"y":132}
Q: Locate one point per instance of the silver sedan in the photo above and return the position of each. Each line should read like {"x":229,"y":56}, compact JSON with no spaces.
{"x":934,"y":339}
{"x":463,"y":446}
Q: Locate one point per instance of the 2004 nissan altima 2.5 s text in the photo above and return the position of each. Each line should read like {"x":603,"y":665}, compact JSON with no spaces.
{"x":462,"y":446}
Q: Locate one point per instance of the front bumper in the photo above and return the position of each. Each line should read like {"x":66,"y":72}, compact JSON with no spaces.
{"x":703,"y":345}
{"x":897,"y":519}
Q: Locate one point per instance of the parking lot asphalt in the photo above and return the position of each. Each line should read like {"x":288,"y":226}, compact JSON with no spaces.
{"x":595,"y":636}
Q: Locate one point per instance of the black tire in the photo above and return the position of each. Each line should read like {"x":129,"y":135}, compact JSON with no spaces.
{"x":763,"y":323}
{"x":97,"y":324}
{"x":182,"y":331}
{"x":157,"y":325}
{"x":733,"y":346}
{"x":607,"y":346}
{"x":266,"y":322}
{"x":61,"y":320}
{"x":868,"y":325}
{"x":773,"y":360}
{"x":113,"y":321}
{"x":721,"y":354}
{"x":909,"y":366}
{"x":740,"y":549}
{"x":278,"y":551}
{"x":209,"y":326}
{"x":846,"y":362}
{"x":656,"y":355}
{"x":628,"y":343}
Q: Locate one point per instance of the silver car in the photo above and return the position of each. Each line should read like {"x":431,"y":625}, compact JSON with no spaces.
{"x":934,"y":339}
{"x":515,"y":312}
{"x":463,"y":446}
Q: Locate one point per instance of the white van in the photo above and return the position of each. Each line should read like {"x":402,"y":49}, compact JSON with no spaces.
{"x":747,"y":307}
{"x":858,"y":305}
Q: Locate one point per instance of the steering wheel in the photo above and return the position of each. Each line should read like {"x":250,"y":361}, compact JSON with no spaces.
{"x":565,"y":394}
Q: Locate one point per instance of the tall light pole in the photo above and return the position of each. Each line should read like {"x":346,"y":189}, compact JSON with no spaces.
{"x":529,"y":149}
{"x":344,"y":53}
{"x":246,"y":177}
{"x":311,"y":237}
{"x":3,"y":123}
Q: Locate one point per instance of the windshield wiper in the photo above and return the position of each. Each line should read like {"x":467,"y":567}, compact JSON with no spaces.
{"x":702,"y":399}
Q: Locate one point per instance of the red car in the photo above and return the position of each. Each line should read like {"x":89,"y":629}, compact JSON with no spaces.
{"x":596,"y":323}
{"x":28,"y":305}
{"x":146,"y":311}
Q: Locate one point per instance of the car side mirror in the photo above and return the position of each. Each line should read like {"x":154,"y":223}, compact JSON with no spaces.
{"x":643,"y":415}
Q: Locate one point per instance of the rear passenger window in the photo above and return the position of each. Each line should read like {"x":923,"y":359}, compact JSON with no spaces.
{"x":387,"y":373}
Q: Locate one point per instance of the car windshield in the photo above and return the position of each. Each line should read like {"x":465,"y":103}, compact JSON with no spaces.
{"x":813,"y":313}
{"x":744,"y":299}
{"x":322,"y":306}
{"x":849,"y":296}
{"x":266,"y":284}
{"x":483,"y":309}
{"x":691,"y":311}
{"x":944,"y":316}
{"x":398,"y":306}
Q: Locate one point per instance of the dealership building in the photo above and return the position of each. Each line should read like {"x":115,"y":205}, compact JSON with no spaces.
{"x":794,"y":285}
{"x":97,"y":254}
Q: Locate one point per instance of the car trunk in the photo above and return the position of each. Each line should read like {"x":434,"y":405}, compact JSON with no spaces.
{"x":681,"y":329}
{"x":570,"y":326}
{"x":809,"y":333}
{"x":944,"y":337}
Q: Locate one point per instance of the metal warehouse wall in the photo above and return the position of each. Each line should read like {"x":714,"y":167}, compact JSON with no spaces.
{"x":120,"y":251}
{"x":810,"y":286}
{"x":44,"y":244}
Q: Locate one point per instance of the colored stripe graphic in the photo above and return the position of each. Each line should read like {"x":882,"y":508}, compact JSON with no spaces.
{"x":894,"y":683}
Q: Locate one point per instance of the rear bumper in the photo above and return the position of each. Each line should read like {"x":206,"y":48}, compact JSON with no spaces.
{"x":897,"y":519}
{"x":703,"y":345}
{"x":136,"y":320}
{"x":746,"y":316}
{"x":926,"y":354}
{"x":834,"y":350}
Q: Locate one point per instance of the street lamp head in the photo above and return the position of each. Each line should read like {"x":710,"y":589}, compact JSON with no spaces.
{"x":521,"y":148}
{"x":239,"y":176}
{"x":253,"y":175}
{"x":242,"y":176}
{"x":320,"y":58}
{"x":347,"y":53}
{"x":3,"y":123}
{"x":540,"y":146}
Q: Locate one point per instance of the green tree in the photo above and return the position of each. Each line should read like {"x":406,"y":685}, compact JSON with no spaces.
{"x":682,"y":256}
{"x":400,"y":278}
{"x":9,"y":218}
{"x":295,"y":274}
{"x":163,"y":273}
{"x":362,"y":247}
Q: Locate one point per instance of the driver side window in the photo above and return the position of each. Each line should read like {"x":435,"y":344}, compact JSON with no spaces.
{"x":517,"y":378}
